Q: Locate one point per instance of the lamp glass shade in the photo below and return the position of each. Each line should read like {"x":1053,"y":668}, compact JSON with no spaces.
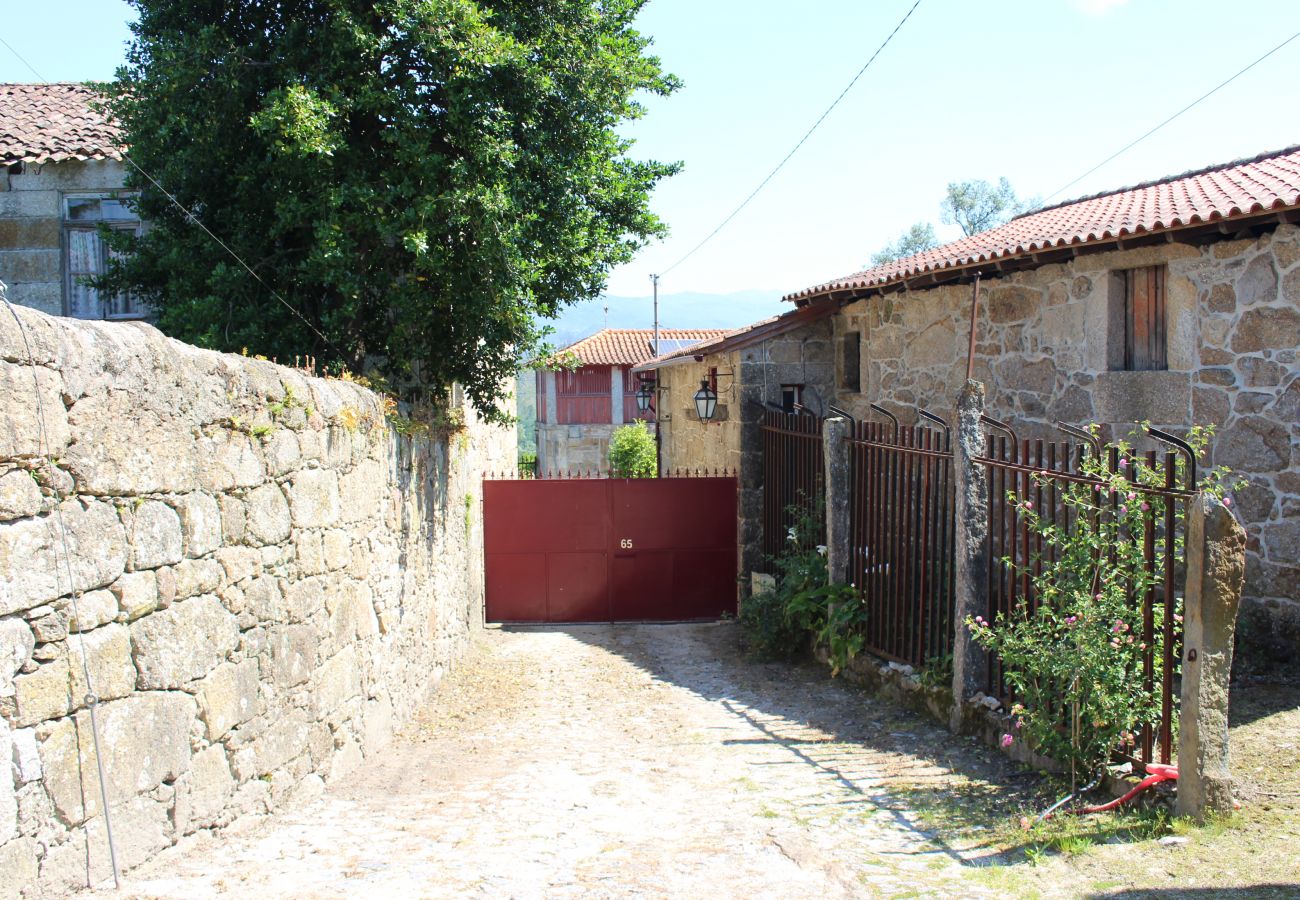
{"x":706,"y":402}
{"x":643,"y":395}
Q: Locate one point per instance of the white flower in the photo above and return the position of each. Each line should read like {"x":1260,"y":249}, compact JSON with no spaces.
{"x":791,"y":535}
{"x":821,"y":549}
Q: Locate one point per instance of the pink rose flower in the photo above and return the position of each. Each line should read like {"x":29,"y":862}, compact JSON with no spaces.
{"x":1007,"y":741}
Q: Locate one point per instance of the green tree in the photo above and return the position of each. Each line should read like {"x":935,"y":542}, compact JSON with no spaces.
{"x":632,"y":453}
{"x":976,"y":206}
{"x":918,"y":238}
{"x":418,"y":179}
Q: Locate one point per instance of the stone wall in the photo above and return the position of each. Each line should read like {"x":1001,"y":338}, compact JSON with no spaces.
{"x":267,"y":578}
{"x":573,"y":448}
{"x":31,"y":218}
{"x":1043,"y":340}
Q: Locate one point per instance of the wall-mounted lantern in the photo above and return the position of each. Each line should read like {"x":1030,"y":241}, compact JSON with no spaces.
{"x":706,"y":401}
{"x":645,"y":395}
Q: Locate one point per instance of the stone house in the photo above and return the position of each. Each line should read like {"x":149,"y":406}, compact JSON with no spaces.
{"x":1175,"y":301}
{"x":580,"y":405}
{"x":62,"y":172}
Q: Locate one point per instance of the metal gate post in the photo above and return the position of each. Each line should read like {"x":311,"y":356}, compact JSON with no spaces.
{"x":969,"y":662}
{"x":835,"y":456}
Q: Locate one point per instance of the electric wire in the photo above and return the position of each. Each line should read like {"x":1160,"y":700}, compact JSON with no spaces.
{"x":1148,"y":134}
{"x":91,"y":700}
{"x":195,"y":219}
{"x":770,"y":175}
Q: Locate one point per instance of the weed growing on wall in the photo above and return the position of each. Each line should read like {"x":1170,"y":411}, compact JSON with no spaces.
{"x":1076,"y":662}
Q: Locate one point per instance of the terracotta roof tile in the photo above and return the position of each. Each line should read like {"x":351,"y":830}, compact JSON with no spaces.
{"x":42,"y":123}
{"x":1231,"y":190}
{"x":629,"y":346}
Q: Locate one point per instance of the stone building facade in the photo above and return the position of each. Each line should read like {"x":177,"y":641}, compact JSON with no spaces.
{"x":1053,"y":337}
{"x":61,"y":176}
{"x":263,"y":577}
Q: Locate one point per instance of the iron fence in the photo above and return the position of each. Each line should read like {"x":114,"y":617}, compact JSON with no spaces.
{"x":1038,"y":471}
{"x":793,"y":473}
{"x":901,"y":538}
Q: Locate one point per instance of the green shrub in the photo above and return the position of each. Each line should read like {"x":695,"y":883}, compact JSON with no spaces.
{"x":778,"y":624}
{"x":1076,"y":663}
{"x":632,"y":453}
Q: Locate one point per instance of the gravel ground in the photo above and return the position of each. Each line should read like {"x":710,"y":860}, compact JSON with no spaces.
{"x":609,"y":761}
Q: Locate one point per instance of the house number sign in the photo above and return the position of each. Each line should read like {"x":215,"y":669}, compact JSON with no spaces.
{"x":625,"y":544}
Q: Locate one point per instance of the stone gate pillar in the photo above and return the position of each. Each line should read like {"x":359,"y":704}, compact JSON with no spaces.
{"x":969,"y":661}
{"x":1216,"y":566}
{"x":835,"y":456}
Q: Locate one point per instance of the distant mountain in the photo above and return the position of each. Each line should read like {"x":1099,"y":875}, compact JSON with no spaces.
{"x":684,"y":310}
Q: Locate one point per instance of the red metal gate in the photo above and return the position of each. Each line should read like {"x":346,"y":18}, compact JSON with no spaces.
{"x":610,"y":550}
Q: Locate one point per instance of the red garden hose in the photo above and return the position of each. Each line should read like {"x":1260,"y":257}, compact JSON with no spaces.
{"x":1156,"y":773}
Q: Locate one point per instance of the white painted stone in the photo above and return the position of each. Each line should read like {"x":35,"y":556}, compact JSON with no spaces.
{"x":178,"y":645}
{"x":35,"y":549}
{"x":155,"y":536}
{"x":200,"y":517}
{"x":228,"y":696}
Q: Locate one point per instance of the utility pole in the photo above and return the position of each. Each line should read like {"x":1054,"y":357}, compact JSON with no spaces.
{"x":654,"y":280}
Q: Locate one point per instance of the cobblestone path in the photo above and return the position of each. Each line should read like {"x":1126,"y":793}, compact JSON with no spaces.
{"x":606,"y":761}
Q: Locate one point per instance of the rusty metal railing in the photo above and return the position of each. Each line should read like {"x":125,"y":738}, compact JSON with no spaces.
{"x":1039,"y":471}
{"x":901,"y":537}
{"x":793,"y":473}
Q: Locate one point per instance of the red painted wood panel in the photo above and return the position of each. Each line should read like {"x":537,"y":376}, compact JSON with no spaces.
{"x":610,"y":549}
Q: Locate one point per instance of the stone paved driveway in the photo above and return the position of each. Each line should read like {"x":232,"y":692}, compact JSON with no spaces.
{"x":595,"y":761}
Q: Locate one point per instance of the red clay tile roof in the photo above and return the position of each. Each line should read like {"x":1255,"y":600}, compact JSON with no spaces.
{"x":1267,"y":182}
{"x":629,"y":346}
{"x":42,"y":123}
{"x":741,"y":338}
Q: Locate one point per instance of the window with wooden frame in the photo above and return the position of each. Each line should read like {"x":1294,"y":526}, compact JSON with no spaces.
{"x":86,"y":255}
{"x":851,"y":362}
{"x":1139,"y":334}
{"x":791,"y":396}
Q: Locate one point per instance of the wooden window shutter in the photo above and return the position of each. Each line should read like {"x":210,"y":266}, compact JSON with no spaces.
{"x":1144,"y":319}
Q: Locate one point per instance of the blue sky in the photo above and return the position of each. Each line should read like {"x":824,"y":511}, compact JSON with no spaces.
{"x":1036,"y":90}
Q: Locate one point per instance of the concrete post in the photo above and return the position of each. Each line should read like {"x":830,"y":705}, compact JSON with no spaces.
{"x":969,"y":661}
{"x":835,"y":456}
{"x":615,"y":395}
{"x":1216,"y":566}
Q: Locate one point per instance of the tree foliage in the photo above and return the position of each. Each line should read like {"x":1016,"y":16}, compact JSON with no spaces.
{"x":916,"y":239}
{"x":632,"y":453}
{"x":418,"y":179}
{"x":975,"y":206}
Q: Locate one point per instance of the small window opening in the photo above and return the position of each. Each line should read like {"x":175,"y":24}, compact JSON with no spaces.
{"x":851,"y":364}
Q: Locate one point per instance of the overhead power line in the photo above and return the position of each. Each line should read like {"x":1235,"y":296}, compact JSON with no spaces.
{"x":762,"y":184}
{"x":1206,"y":95}
{"x":195,"y":219}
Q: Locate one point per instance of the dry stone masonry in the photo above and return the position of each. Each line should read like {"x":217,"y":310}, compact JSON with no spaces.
{"x":268,"y":578}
